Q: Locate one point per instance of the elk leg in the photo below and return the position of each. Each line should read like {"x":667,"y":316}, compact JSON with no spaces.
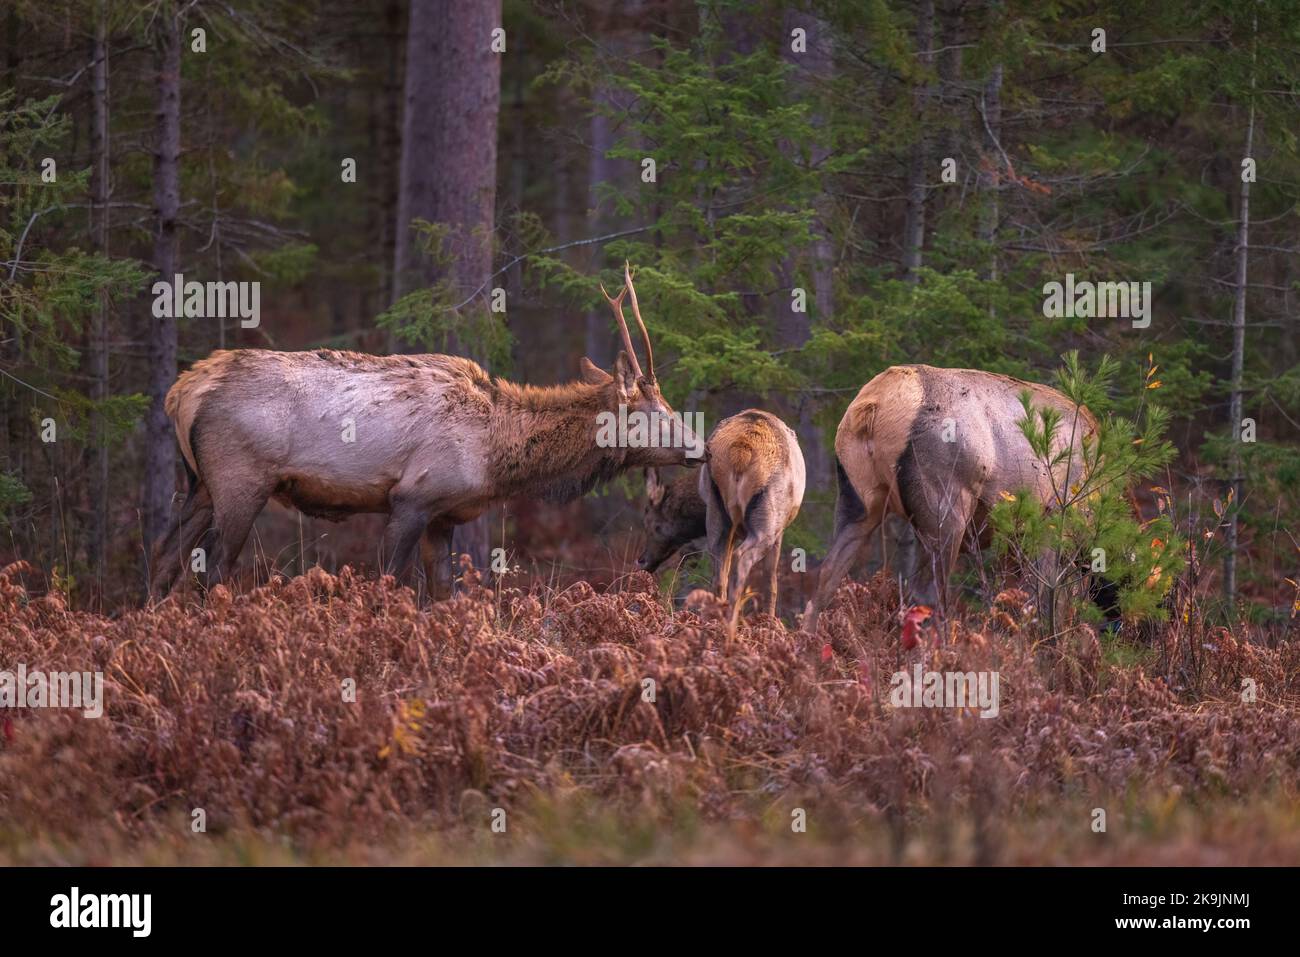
{"x":233,"y":514}
{"x":164,"y":561}
{"x":718,"y":530}
{"x":722,"y":577}
{"x":953,"y":553}
{"x":173,"y":550}
{"x":406,"y":524}
{"x":772,"y":575}
{"x":436,"y":552}
{"x":850,"y":542}
{"x":941,"y":533}
{"x":759,"y":523}
{"x":720,"y":534}
{"x":1051,"y":597}
{"x":749,"y":552}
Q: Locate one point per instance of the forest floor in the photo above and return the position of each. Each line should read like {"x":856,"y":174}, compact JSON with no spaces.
{"x":332,"y":719}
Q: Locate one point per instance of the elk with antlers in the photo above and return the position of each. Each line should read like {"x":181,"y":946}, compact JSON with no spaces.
{"x":430,"y":440}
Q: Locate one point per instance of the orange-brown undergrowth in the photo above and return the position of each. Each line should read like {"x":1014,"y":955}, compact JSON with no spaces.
{"x":493,"y":699}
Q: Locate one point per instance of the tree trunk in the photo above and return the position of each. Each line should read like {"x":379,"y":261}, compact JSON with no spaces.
{"x":98,"y":353}
{"x":949,"y":66}
{"x":394,"y":37}
{"x":449,"y":159}
{"x":918,"y":166}
{"x":619,"y":38}
{"x":812,"y":68}
{"x":1236,"y":480}
{"x":160,"y":448}
{"x":991,"y":169}
{"x":449,"y":139}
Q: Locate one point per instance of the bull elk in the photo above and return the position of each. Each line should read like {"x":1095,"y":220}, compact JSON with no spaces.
{"x":939,"y":447}
{"x":750,"y":489}
{"x":430,"y":440}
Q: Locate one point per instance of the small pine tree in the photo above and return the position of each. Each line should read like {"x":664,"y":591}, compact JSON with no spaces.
{"x":1087,"y":526}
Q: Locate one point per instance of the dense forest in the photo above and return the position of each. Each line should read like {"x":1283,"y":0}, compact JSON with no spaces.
{"x":810,"y":192}
{"x":1024,"y":274}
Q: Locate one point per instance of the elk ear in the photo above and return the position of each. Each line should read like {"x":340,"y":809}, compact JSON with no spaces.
{"x":654,"y":488}
{"x":623,"y":374}
{"x":593,"y":374}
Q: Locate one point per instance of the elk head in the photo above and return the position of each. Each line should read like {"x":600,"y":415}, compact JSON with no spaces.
{"x":642,"y":423}
{"x":674,"y":516}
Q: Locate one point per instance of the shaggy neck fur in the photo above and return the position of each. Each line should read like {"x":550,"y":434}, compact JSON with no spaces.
{"x":543,"y":440}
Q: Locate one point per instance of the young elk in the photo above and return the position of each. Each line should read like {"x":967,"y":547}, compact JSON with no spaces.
{"x":751,"y":488}
{"x":938,"y":447}
{"x":430,"y":440}
{"x":674,"y":517}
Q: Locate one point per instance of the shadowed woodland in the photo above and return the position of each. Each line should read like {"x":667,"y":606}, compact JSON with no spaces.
{"x":810,"y":193}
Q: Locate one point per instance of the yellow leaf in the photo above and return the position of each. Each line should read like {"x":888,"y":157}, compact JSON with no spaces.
{"x":1007,"y":496}
{"x":1154,"y":385}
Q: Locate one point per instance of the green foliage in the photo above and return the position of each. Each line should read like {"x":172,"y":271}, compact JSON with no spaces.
{"x":13,"y":494}
{"x":289,"y":264}
{"x":728,"y":210}
{"x":51,"y":293}
{"x":83,"y":419}
{"x":950,"y":319}
{"x":439,"y":318}
{"x":772,"y":172}
{"x":1087,"y":509}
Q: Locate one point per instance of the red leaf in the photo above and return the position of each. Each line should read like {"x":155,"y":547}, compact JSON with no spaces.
{"x":8,"y":727}
{"x":827,"y":652}
{"x":912,"y":621}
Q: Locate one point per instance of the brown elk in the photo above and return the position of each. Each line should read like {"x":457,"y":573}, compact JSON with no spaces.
{"x":430,"y":440}
{"x":938,"y":447}
{"x":751,"y":488}
{"x":674,"y":517}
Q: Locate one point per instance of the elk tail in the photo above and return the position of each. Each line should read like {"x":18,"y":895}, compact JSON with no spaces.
{"x":185,"y":398}
{"x":849,"y":507}
{"x":863,"y":423}
{"x":742,"y":457}
{"x":715,"y":495}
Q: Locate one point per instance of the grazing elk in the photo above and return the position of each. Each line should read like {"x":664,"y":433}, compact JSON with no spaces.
{"x":751,"y":487}
{"x":938,"y":447}
{"x":431,"y":440}
{"x":674,"y":517}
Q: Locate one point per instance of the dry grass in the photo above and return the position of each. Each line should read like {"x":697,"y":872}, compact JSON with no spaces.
{"x":532,"y":703}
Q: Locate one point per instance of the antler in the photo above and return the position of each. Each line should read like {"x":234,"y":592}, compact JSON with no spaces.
{"x":617,"y":306}
{"x":636,"y":311}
